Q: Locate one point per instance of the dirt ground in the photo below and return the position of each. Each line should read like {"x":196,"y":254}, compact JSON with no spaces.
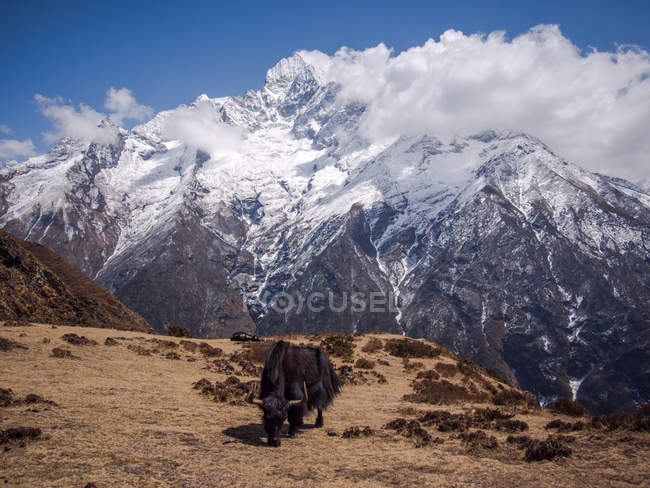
{"x":127,"y":415}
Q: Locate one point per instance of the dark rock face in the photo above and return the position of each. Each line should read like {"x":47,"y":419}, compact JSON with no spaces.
{"x":341,"y":290}
{"x":181,"y":278}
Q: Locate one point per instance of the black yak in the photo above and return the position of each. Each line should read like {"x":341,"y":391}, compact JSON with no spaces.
{"x":295,"y":379}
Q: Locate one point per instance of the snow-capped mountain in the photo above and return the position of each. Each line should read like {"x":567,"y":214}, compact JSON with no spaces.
{"x":257,"y":211}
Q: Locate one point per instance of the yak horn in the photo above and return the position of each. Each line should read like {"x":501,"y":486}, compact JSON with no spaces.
{"x":251,"y":397}
{"x":304,"y":396}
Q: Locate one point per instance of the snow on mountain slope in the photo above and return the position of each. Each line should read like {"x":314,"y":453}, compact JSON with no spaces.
{"x":488,"y":243}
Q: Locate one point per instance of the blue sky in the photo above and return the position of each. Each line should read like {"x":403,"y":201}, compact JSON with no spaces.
{"x":167,"y":53}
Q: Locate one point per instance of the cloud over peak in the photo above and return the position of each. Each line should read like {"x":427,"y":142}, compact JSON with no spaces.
{"x":592,"y":107}
{"x":85,"y":122}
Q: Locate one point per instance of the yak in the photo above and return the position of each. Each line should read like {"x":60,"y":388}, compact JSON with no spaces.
{"x":295,"y":379}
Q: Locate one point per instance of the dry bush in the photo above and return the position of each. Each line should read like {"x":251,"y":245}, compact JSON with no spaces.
{"x":446,"y":370}
{"x":8,"y":344}
{"x":448,"y":422}
{"x":164,"y":343}
{"x":478,"y":440}
{"x":363,"y":363}
{"x":520,"y":441}
{"x":490,"y":414}
{"x":232,"y":390}
{"x":567,"y":406}
{"x":179,"y":331}
{"x":19,"y":434}
{"x":356,"y":432}
{"x":383,"y":362}
{"x":139,"y":350}
{"x":221,"y":366}
{"x":172,"y":355}
{"x":550,"y":448}
{"x":256,"y":351}
{"x":76,"y":340}
{"x":189,"y":346}
{"x":428,"y":374}
{"x":59,"y":352}
{"x":247,"y":368}
{"x":411,"y":366}
{"x":410,"y":348}
{"x":373,"y":345}
{"x":639,"y":420}
{"x":208,"y":351}
{"x":349,"y":376}
{"x":441,"y":392}
{"x":411,"y":429}
{"x":6,"y":397}
{"x":515,"y":398}
{"x":17,"y":323}
{"x":338,"y":345}
{"x":111,"y":342}
{"x":564,"y":426}
{"x":511,"y":425}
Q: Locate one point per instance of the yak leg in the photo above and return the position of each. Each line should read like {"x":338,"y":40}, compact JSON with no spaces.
{"x":295,"y":419}
{"x":319,"y":419}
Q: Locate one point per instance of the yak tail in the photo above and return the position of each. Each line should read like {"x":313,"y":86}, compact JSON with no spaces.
{"x":272,"y":369}
{"x":330,"y":380}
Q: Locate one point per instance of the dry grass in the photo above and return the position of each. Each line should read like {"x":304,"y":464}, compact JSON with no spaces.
{"x":125,"y":419}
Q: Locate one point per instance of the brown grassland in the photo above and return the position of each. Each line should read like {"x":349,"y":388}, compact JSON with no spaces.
{"x":124,"y":412}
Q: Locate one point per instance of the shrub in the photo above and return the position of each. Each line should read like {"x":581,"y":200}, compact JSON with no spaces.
{"x":179,"y":331}
{"x":521,"y":441}
{"x":514,"y":398}
{"x":411,"y":430}
{"x":189,"y":346}
{"x":59,"y":352}
{"x":76,"y":340}
{"x":209,"y":351}
{"x":373,"y":345}
{"x":446,"y":370}
{"x":428,"y":374}
{"x":511,"y":425}
{"x":256,"y":351}
{"x":551,"y":448}
{"x":8,"y":344}
{"x":567,"y":406}
{"x":363,"y":363}
{"x":441,"y":392}
{"x":356,"y":432}
{"x":479,"y":440}
{"x":339,"y":345}
{"x":410,"y":348}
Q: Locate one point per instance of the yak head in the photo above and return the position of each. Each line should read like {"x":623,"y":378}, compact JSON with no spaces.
{"x":276,"y":410}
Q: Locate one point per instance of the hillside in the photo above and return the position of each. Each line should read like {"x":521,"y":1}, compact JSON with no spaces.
{"x":133,"y":409}
{"x":37,"y":285}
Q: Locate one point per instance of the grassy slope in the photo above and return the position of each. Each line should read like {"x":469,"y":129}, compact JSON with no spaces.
{"x":125,"y":419}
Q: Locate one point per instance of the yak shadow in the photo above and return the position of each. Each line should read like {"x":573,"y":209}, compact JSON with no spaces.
{"x":251,"y":434}
{"x":255,"y":435}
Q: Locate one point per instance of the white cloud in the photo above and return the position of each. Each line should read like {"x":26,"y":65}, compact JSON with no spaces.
{"x":592,"y":108}
{"x":5,"y":129}
{"x":84,"y":123}
{"x":198,"y":126}
{"x":123,"y":105}
{"x":12,"y":148}
{"x":88,"y":124}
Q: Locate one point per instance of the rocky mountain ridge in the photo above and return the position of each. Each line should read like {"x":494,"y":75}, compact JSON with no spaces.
{"x":489,"y":244}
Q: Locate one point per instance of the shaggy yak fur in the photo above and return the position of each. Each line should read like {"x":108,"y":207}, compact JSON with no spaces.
{"x":291,"y":373}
